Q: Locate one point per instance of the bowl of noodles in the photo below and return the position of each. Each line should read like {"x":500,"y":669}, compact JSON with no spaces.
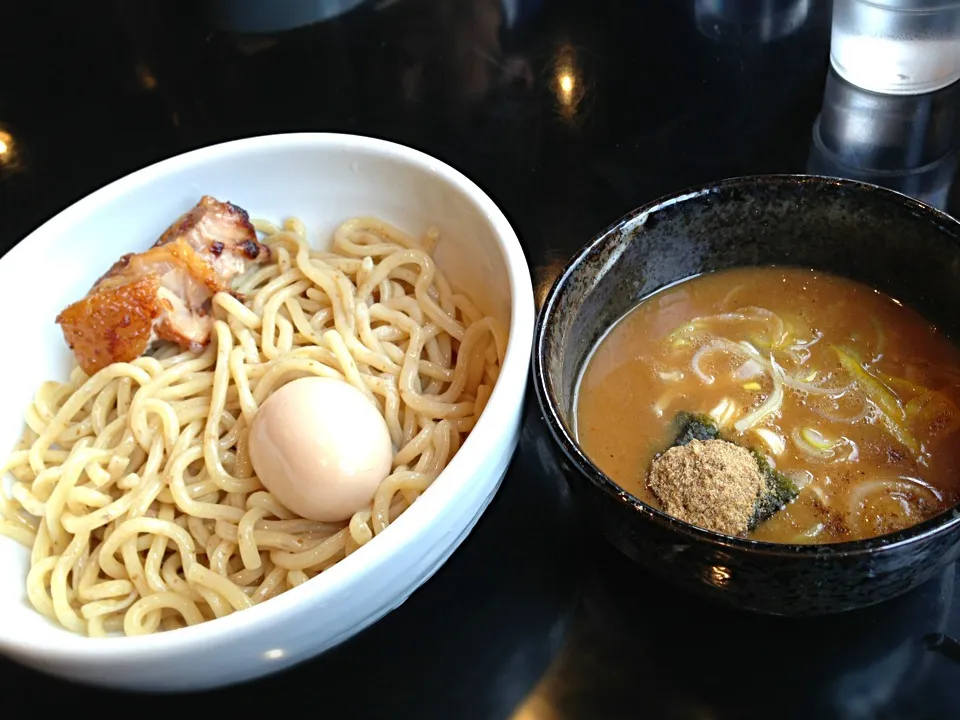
{"x":263,"y":391}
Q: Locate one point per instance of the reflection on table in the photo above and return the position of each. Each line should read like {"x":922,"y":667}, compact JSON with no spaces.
{"x":673,"y":656}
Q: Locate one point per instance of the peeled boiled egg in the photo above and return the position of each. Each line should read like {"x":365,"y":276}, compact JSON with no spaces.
{"x":321,"y":448}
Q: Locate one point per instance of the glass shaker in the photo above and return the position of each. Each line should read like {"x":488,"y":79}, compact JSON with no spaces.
{"x":896,"y":47}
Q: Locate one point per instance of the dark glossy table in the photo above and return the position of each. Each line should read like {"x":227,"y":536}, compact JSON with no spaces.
{"x":569,"y":114}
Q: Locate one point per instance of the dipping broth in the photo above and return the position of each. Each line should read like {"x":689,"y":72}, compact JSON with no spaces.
{"x":844,"y":390}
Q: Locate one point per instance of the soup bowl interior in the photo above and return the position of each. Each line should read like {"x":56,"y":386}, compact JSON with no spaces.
{"x":323,"y":180}
{"x":880,"y":238}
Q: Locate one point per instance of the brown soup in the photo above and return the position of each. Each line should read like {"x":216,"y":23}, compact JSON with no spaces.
{"x":847,"y":392}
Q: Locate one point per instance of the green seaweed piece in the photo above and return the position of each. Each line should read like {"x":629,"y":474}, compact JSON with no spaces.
{"x":694,"y":427}
{"x":780,"y":490}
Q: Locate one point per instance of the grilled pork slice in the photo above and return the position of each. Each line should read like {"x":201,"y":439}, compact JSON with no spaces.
{"x":165,"y":292}
{"x":221,"y":234}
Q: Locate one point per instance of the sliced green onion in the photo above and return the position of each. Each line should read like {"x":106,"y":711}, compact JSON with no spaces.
{"x":773,"y":441}
{"x":817,"y":439}
{"x":723,"y":413}
{"x":812,"y":445}
{"x":771,"y":405}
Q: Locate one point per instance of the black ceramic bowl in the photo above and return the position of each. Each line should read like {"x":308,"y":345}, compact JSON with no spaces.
{"x":887,"y":240}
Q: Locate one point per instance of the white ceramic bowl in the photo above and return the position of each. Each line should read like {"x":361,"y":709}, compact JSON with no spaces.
{"x":323,"y":179}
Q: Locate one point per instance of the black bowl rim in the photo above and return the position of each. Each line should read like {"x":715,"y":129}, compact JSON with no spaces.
{"x":601,"y":481}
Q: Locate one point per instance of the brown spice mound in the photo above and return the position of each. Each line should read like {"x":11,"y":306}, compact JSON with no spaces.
{"x":713,"y":485}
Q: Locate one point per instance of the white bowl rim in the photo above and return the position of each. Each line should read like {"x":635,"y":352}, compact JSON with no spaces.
{"x":70,"y":647}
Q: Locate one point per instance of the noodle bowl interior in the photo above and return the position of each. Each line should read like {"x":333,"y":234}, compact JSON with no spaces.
{"x":842,"y":393}
{"x":133,"y":486}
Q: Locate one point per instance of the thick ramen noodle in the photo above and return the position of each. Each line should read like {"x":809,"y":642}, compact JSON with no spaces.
{"x":844,"y":390}
{"x":134,"y":489}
